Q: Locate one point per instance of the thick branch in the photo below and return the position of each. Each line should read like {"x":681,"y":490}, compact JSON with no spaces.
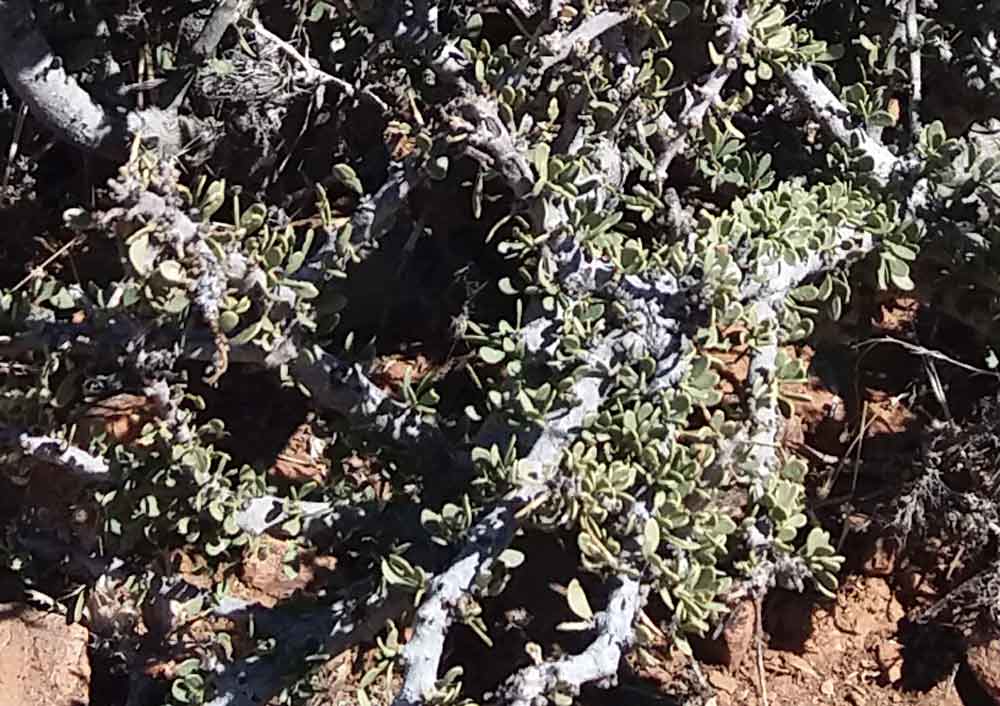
{"x":767,"y":420}
{"x":488,"y":140}
{"x":56,"y":100}
{"x":589,"y":30}
{"x":490,"y":536}
{"x":265,"y":513}
{"x":356,"y":618}
{"x":337,"y":386}
{"x":765,"y":292}
{"x":913,"y":42}
{"x":773,"y":281}
{"x":58,"y":452}
{"x":598,"y":662}
{"x":224,"y":14}
{"x":835,"y":119}
{"x":374,"y":217}
{"x":76,"y":560}
{"x":333,"y":385}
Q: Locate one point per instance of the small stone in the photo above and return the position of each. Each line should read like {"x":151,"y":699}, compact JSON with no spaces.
{"x":732,"y":645}
{"x":303,"y":458}
{"x":723,"y":681}
{"x":984,"y":663}
{"x":889,"y":655}
{"x":264,"y":571}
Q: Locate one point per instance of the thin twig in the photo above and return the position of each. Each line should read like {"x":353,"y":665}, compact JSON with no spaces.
{"x":15,"y":144}
{"x":865,"y":424}
{"x":936,"y":387}
{"x":852,"y":448}
{"x":920,"y":350}
{"x":913,"y":43}
{"x":40,"y":269}
{"x":313,"y":75}
{"x":758,"y":637}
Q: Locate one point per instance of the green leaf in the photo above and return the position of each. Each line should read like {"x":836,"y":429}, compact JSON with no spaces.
{"x":491,"y":356}
{"x":650,"y":537}
{"x":881,"y":118}
{"x":577,"y":599}
{"x":179,"y":691}
{"x":437,"y":168}
{"x":683,"y":646}
{"x":678,"y":11}
{"x":903,"y":281}
{"x":714,"y":56}
{"x":188,"y":666}
{"x":774,"y":17}
{"x":141,"y":254}
{"x":816,"y":539}
{"x":319,"y":11}
{"x":540,"y":159}
{"x":62,"y":299}
{"x":172,"y":272}
{"x":826,"y":583}
{"x":780,"y":40}
{"x":304,"y":290}
{"x":249,"y":333}
{"x":604,"y":113}
{"x":79,"y":605}
{"x":346,"y":175}
{"x":511,"y":558}
{"x":903,"y":252}
{"x":253,"y":218}
{"x":228,"y":320}
{"x":217,"y":547}
{"x":215,"y":196}
{"x":663,"y":67}
{"x":553,"y":111}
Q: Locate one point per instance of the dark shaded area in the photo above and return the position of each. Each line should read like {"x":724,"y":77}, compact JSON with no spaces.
{"x":930,"y":654}
{"x":970,"y":690}
{"x":110,"y":681}
{"x":260,"y":414}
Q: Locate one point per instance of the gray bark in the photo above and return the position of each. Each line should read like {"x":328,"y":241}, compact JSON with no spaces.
{"x":57,"y":101}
